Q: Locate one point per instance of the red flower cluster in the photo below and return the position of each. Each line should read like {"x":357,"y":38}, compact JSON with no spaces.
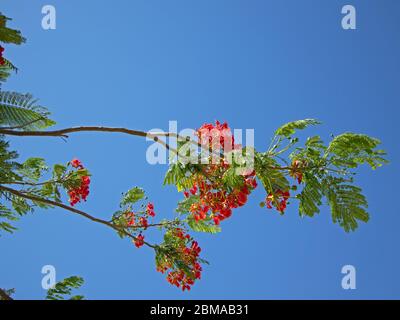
{"x":2,"y":60}
{"x":279,"y":199}
{"x":142,"y":217}
{"x":213,"y":197}
{"x":216,"y":135}
{"x":76,"y":194}
{"x":150,"y":210}
{"x":139,"y":241}
{"x":188,"y":251}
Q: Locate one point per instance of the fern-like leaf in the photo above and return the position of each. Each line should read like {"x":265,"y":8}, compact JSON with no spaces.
{"x":20,"y":111}
{"x":266,"y":171}
{"x":203,"y":226}
{"x":350,"y":150}
{"x":348,"y":204}
{"x":290,"y":128}
{"x":310,"y":197}
{"x":8,"y":35}
{"x":64,"y":288}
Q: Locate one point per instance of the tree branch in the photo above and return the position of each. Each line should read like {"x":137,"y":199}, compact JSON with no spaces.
{"x":64,"y":133}
{"x":71,"y":209}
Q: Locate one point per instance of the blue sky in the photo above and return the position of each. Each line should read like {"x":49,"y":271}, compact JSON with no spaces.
{"x":256,"y":64}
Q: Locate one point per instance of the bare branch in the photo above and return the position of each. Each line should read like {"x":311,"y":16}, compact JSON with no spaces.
{"x":64,"y":134}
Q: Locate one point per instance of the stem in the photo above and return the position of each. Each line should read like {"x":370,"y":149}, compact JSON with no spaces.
{"x":71,"y":209}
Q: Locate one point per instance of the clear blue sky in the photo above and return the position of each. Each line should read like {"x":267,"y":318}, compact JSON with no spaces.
{"x":256,"y":64}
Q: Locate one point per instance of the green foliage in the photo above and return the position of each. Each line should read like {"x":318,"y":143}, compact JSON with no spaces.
{"x":6,"y":69}
{"x":64,"y":288}
{"x":132,"y":196}
{"x":350,"y":149}
{"x":170,"y":252}
{"x":185,"y":204}
{"x":20,"y":111}
{"x":266,"y":170}
{"x":6,"y":216}
{"x":8,"y":165}
{"x":290,"y":128}
{"x":59,"y":171}
{"x":203,"y":225}
{"x":328,"y":174}
{"x":231,"y":178}
{"x":348,"y":204}
{"x":32,"y":169}
{"x":310,"y":197}
{"x":180,"y":175}
{"x":8,"y":35}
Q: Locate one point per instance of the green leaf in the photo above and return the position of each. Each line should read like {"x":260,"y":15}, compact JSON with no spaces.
{"x":179,"y":175}
{"x":185,"y":204}
{"x":20,"y":111}
{"x":290,"y":128}
{"x":6,"y":69}
{"x":271,"y":178}
{"x":7,"y":215}
{"x":8,"y":35}
{"x":348,"y":204}
{"x":203,"y":226}
{"x":59,"y":171}
{"x":33,"y":168}
{"x":64,"y":288}
{"x":310,"y":197}
{"x":133,"y":196}
{"x":350,"y":149}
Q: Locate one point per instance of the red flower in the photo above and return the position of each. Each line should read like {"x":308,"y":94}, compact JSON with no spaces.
{"x":216,"y":200}
{"x":143,"y":222}
{"x":130,"y":217}
{"x":279,"y":200}
{"x":188,"y":251}
{"x":78,"y":193}
{"x":242,"y":198}
{"x":150,"y":209}
{"x":226,"y":213}
{"x":76,"y":164}
{"x":193,"y":190}
{"x":216,"y":135}
{"x":139,"y":241}
{"x":2,"y":60}
{"x":216,"y":220}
